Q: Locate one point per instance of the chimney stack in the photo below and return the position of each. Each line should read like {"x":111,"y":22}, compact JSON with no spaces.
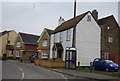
{"x":95,"y":14}
{"x":60,"y":21}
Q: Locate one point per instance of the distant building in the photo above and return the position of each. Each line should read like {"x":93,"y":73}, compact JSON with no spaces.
{"x":25,"y":46}
{"x":7,"y":39}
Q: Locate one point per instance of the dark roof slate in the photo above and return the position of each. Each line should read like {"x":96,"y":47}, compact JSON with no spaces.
{"x":70,"y":23}
{"x":4,"y":32}
{"x":29,"y":38}
{"x":49,"y":31}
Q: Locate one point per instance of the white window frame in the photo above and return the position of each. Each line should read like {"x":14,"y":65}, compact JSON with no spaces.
{"x":61,"y":36}
{"x":18,"y":44}
{"x":55,"y":54}
{"x":106,"y":55}
{"x":68,"y":35}
{"x":44,"y":54}
{"x":45,"y":43}
{"x":17,"y":53}
{"x":110,"y":39}
{"x":88,"y":17}
{"x":55,"y":37}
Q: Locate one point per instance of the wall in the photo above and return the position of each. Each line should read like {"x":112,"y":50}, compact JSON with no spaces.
{"x":87,"y":41}
{"x":12,"y":36}
{"x":40,"y":47}
{"x":64,"y":43}
{"x":114,"y":46}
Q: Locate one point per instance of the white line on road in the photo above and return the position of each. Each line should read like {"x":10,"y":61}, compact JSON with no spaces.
{"x":20,"y":69}
{"x":53,"y":72}
{"x":22,"y":75}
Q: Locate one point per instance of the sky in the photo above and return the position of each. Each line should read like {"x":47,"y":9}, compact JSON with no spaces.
{"x":33,"y":16}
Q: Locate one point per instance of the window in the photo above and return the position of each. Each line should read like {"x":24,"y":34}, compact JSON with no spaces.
{"x":68,"y":35}
{"x":110,"y":39}
{"x":55,"y":53}
{"x":55,"y":37}
{"x":18,"y":44}
{"x":44,"y":54}
{"x":106,"y":55}
{"x":88,"y":18}
{"x":45,"y":43}
{"x":61,"y":36}
{"x":17,"y":53}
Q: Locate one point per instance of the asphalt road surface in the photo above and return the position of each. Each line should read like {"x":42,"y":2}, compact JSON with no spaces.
{"x":16,"y":71}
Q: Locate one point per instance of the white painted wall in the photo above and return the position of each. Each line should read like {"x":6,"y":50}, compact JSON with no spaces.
{"x":87,"y":41}
{"x":64,"y":43}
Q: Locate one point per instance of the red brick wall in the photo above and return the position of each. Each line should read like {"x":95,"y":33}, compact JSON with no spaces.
{"x":30,"y":47}
{"x":115,"y":58}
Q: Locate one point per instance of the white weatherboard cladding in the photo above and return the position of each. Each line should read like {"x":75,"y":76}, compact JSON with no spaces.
{"x":87,"y":41}
{"x":64,"y":43}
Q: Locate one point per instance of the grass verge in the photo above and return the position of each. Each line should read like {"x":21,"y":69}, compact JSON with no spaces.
{"x":98,"y":72}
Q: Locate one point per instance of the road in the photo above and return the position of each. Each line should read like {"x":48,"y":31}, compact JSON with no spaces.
{"x":13,"y":71}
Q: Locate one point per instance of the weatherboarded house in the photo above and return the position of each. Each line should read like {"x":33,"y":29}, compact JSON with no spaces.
{"x":87,"y":39}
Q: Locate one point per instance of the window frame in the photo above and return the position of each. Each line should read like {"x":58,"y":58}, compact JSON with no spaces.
{"x":18,"y":44}
{"x":44,"y":54}
{"x":110,"y":39}
{"x":45,"y":43}
{"x":68,"y":35}
{"x":88,"y":17}
{"x":61,"y":36}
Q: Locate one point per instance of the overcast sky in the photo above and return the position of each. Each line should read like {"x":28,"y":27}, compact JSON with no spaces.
{"x":32,"y":17}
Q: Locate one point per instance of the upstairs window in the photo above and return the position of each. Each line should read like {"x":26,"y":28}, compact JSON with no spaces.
{"x":45,"y":42}
{"x":18,"y":44}
{"x":68,"y":35}
{"x":61,"y":36}
{"x":88,"y":18}
{"x":55,"y":37}
{"x":110,"y":39}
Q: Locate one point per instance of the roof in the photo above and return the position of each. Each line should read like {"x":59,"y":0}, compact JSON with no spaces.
{"x":4,"y":32}
{"x":58,"y":46}
{"x":49,"y":31}
{"x":29,"y":38}
{"x":104,"y":20}
{"x":70,"y":23}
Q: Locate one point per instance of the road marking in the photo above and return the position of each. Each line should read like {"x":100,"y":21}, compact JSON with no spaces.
{"x":53,"y":72}
{"x":23,"y":75}
{"x":20,"y":69}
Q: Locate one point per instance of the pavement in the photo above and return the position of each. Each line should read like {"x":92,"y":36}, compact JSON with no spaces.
{"x":88,"y":75}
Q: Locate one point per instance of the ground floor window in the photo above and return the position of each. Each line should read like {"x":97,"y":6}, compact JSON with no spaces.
{"x":106,"y":55}
{"x":55,"y":53}
{"x":44,"y":54}
{"x":17,"y":53}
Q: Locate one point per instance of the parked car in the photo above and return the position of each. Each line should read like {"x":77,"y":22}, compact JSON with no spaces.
{"x":33,"y":57}
{"x":105,"y":64}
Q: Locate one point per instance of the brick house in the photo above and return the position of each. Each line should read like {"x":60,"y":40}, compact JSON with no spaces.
{"x":7,"y":39}
{"x":25,"y":46}
{"x":110,"y":38}
{"x":44,"y":44}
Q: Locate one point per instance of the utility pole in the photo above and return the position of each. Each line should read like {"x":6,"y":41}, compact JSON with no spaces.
{"x":74,"y":28}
